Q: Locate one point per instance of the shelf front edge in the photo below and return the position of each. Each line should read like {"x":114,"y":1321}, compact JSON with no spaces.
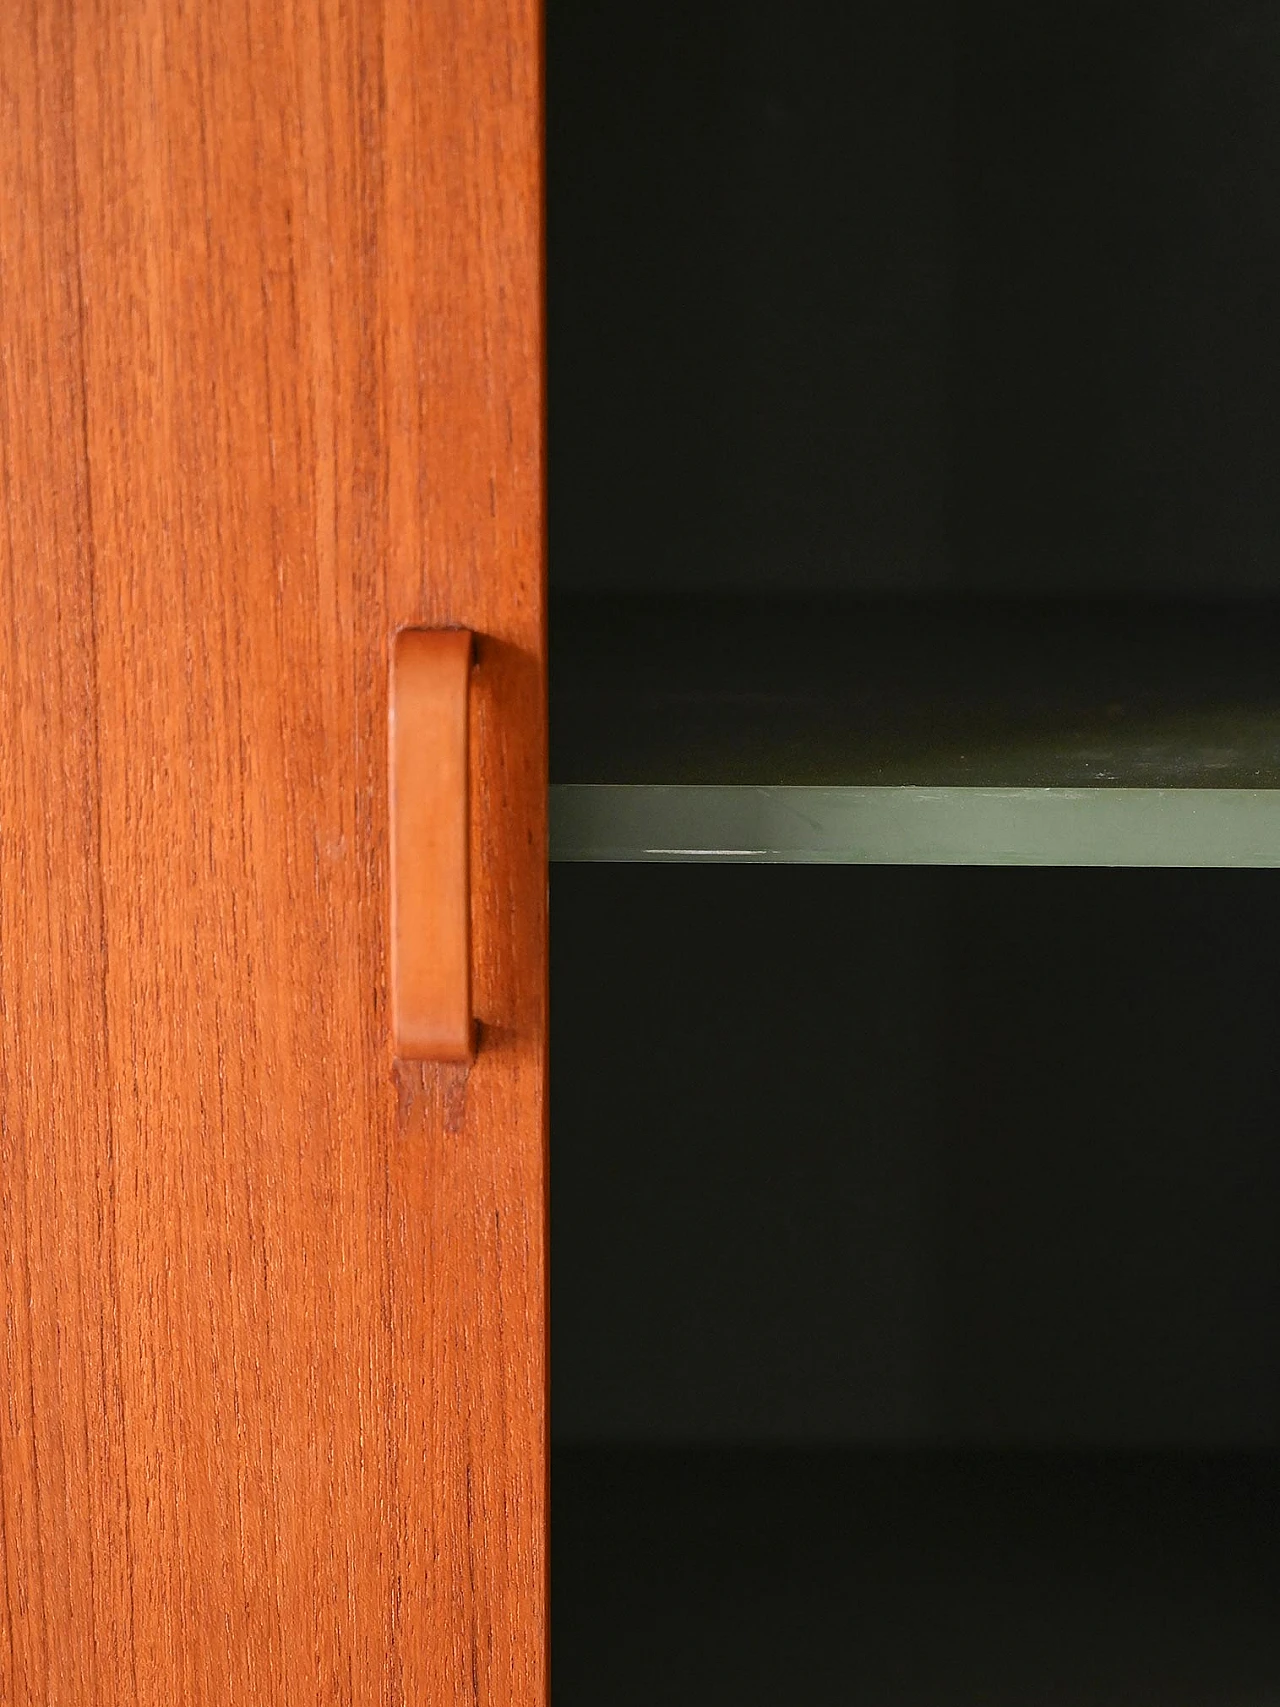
{"x":791,"y":825}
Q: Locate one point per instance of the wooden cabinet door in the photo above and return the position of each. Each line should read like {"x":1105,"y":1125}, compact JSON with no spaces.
{"x":272,"y":1307}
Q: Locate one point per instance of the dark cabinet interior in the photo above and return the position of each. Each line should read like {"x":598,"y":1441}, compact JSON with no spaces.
{"x":916,"y":817}
{"x":867,"y":296}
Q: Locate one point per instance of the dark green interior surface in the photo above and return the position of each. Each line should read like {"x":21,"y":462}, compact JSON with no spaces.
{"x":914,"y":1580}
{"x":927,"y":691}
{"x":909,"y":1155}
{"x":910,"y":294}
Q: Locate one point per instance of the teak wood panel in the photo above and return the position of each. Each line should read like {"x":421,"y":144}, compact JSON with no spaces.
{"x":272,"y":1424}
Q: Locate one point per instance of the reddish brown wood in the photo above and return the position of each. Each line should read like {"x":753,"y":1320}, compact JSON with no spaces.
{"x":430,"y":876}
{"x":272,"y":1310}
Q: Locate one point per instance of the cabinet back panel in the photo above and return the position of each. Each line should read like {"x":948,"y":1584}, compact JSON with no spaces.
{"x":914,"y":294}
{"x":915,"y":1156}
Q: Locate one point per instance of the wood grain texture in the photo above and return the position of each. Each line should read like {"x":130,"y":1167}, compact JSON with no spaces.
{"x":272,"y":1311}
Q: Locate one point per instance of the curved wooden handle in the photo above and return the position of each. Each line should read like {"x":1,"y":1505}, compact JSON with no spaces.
{"x":430,"y":878}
